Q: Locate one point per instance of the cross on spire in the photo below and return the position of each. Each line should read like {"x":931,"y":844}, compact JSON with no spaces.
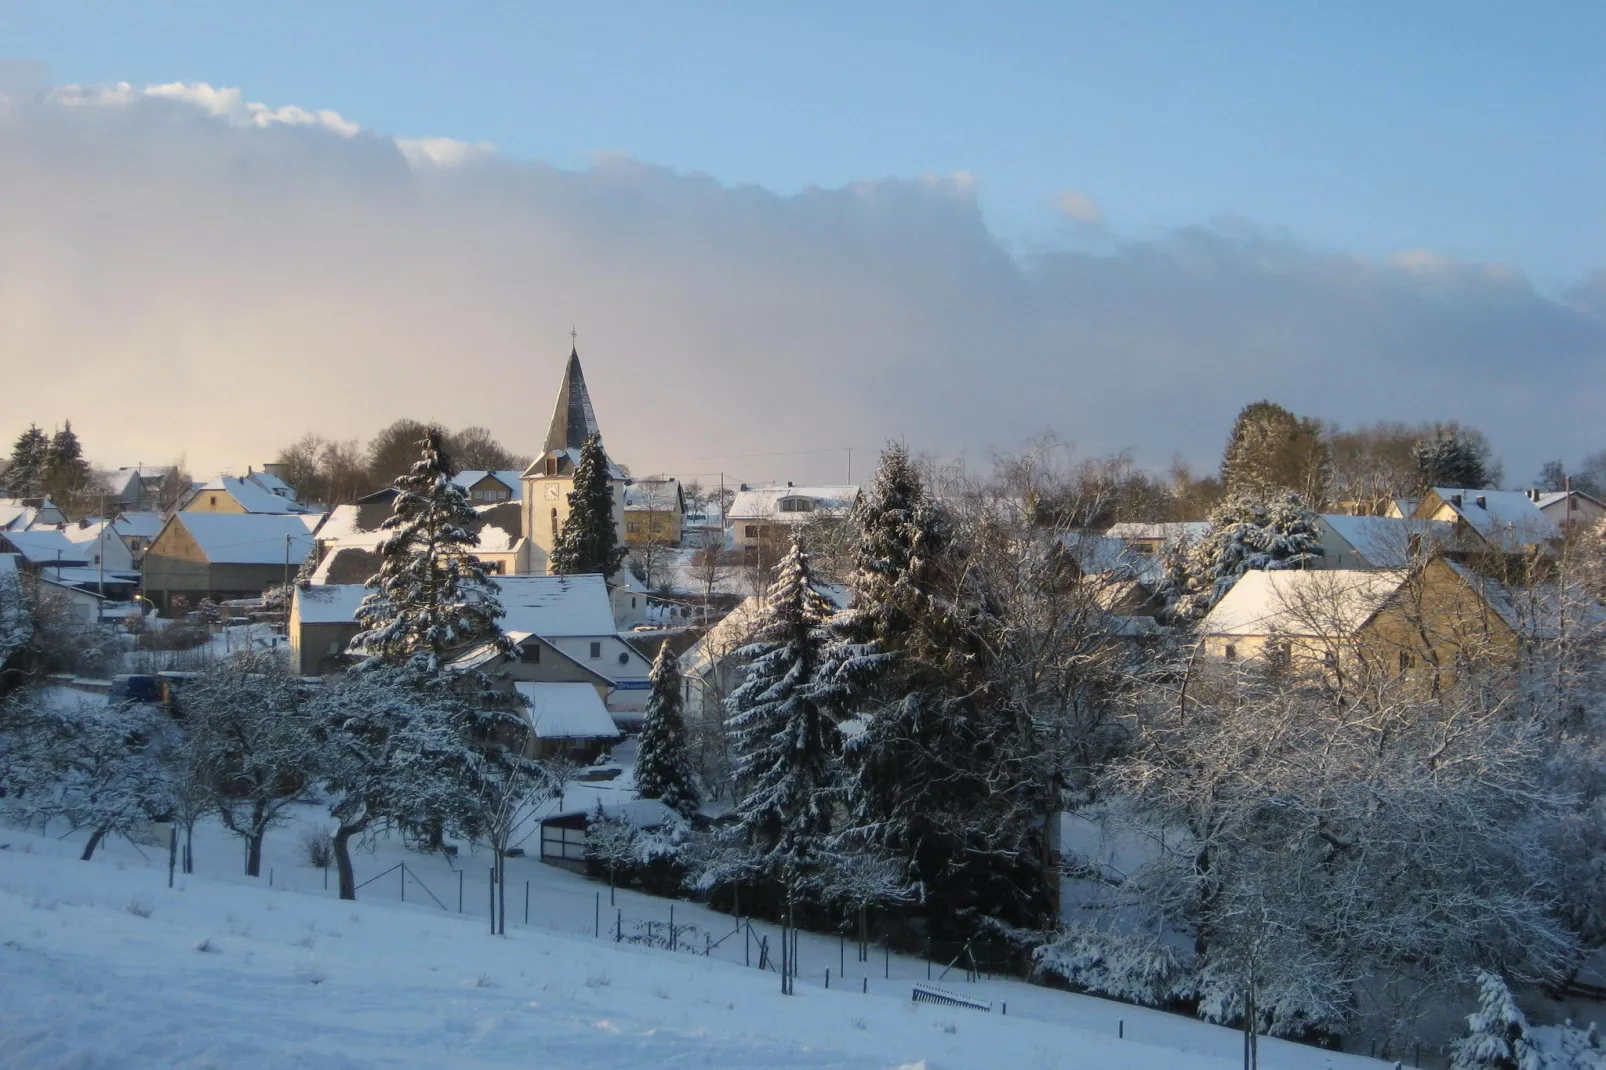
{"x":574,"y":337}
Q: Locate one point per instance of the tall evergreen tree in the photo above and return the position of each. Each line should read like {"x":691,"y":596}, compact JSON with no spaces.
{"x":786,"y":745}
{"x":911,"y":660}
{"x":663,"y":768}
{"x":67,"y":476}
{"x":431,"y":596}
{"x":588,"y":541}
{"x":26,"y":476}
{"x":1271,"y":449}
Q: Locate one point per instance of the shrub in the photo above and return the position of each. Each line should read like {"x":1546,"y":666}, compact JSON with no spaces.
{"x":320,"y":853}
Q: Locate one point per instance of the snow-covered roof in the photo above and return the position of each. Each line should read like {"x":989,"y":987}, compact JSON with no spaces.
{"x":273,"y":485}
{"x":1506,"y":519}
{"x":660,"y":493}
{"x":15,"y":515}
{"x":556,"y":605}
{"x":642,"y":813}
{"x":1539,"y":611}
{"x":46,"y":546}
{"x":508,"y":478}
{"x":330,"y":603}
{"x":1552,"y":502}
{"x":83,"y":576}
{"x":763,"y":503}
{"x":1297,"y":602}
{"x":567,"y":711}
{"x":252,"y":497}
{"x":1133,"y":531}
{"x":345,"y":526}
{"x":248,"y":538}
{"x":139,"y":525}
{"x":1385,"y":541}
{"x":84,"y":534}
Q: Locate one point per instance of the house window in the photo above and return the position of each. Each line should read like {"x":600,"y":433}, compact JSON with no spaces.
{"x":596,"y":650}
{"x":1231,"y":652}
{"x":1407,"y":660}
{"x":751,"y":531}
{"x":211,"y":499}
{"x":632,"y":527}
{"x":494,"y":568}
{"x":632,"y":601}
{"x":796,"y":505}
{"x":551,"y":466}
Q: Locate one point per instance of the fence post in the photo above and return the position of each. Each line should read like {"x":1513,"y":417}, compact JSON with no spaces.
{"x":526,"y":902}
{"x":619,"y":933}
{"x":492,"y":887}
{"x":842,"y":955}
{"x":326,"y":878}
{"x":1005,"y":1011}
{"x":671,"y":926}
{"x":866,"y":988}
{"x":597,"y":920}
{"x":403,"y":870}
{"x":747,"y":944}
{"x":828,"y":978}
{"x":887,"y":953}
{"x":172,"y":853}
{"x":460,"y":890}
{"x":1120,"y":1029}
{"x":270,"y":876}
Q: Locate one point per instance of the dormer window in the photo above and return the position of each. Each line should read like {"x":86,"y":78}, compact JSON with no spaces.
{"x":551,"y":465}
{"x":796,"y":505}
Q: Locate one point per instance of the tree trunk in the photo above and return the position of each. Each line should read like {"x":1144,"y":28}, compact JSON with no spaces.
{"x":189,"y":847}
{"x":341,"y":842}
{"x":501,"y":892}
{"x":94,"y":842}
{"x":253,"y":855}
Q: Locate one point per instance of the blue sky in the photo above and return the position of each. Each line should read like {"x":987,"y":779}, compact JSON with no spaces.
{"x":1472,"y":130}
{"x":813,"y":226}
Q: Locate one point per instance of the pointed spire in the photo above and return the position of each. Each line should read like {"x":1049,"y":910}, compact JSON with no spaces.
{"x":573,"y":420}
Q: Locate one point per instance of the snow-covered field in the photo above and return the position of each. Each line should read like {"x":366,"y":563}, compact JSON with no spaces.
{"x":102,"y":965}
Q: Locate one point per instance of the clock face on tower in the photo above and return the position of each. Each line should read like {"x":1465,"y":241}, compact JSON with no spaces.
{"x":552,"y":492}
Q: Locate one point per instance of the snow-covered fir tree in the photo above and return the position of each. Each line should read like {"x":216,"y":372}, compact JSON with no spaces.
{"x":785,"y":743}
{"x":1451,"y":458}
{"x":1497,"y":1036}
{"x":1247,"y":532}
{"x":588,"y":540}
{"x":431,"y":595}
{"x":25,"y":478}
{"x":663,"y":767}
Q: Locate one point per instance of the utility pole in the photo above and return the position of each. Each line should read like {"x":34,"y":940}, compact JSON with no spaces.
{"x":287,"y":587}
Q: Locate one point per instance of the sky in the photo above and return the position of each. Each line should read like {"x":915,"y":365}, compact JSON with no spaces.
{"x":804,"y":227}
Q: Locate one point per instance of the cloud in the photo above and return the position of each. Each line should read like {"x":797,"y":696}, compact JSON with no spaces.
{"x":1079,"y":208}
{"x":184,"y":271}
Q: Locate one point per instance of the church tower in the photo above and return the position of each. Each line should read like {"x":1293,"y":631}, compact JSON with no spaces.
{"x":550,"y":478}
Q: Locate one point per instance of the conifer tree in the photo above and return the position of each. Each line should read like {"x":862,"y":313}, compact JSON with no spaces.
{"x":663,"y":768}
{"x":26,"y":476}
{"x":431,"y":596}
{"x":1270,"y":449}
{"x":1451,"y":458}
{"x":1247,"y":532}
{"x":588,"y":540}
{"x":785,"y":743}
{"x":1497,"y":1034}
{"x":66,"y":475}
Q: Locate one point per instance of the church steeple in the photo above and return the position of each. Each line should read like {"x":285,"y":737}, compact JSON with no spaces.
{"x":573,"y":420}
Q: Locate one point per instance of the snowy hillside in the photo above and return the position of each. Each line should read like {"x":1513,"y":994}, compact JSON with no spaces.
{"x":101,"y":965}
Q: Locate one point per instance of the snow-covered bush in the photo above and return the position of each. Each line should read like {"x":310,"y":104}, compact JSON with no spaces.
{"x":1133,"y":968}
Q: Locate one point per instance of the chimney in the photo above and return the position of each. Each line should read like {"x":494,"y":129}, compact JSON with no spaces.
{"x":789,"y":482}
{"x":1483,"y":503}
{"x":741,"y":486}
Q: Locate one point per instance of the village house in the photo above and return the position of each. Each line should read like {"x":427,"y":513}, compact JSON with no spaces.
{"x":44,"y":547}
{"x":1569,"y":510}
{"x":655,"y":511}
{"x":1154,"y":539}
{"x":1432,"y":621}
{"x":563,"y":835}
{"x":761,"y":516}
{"x":20,"y":514}
{"x":323,"y":620}
{"x":224,"y":556}
{"x":1489,"y":521}
{"x":489,"y":488}
{"x":227,"y":494}
{"x":567,"y":720}
{"x":137,"y":489}
{"x":502,"y":547}
{"x":1366,"y":542}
